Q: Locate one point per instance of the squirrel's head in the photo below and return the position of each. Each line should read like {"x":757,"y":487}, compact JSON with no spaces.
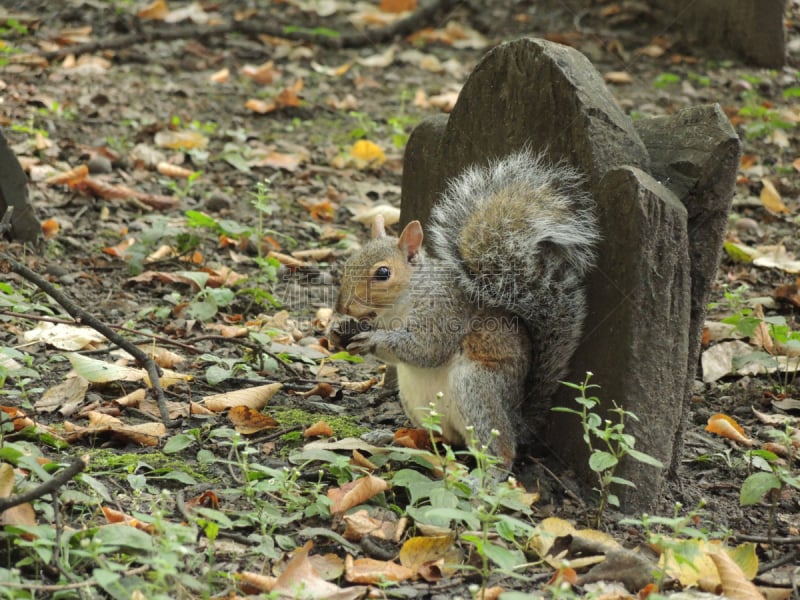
{"x":376,"y":275}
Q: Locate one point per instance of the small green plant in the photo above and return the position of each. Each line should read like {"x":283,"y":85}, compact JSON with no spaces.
{"x":184,"y":189}
{"x":477,"y":499}
{"x":677,"y":537}
{"x":746,"y":320}
{"x":775,"y":476}
{"x":699,"y":79}
{"x":665,"y":80}
{"x":762,"y":119}
{"x":607,"y":443}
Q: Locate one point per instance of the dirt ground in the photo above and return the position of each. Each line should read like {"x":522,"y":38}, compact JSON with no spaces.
{"x":108,"y":109}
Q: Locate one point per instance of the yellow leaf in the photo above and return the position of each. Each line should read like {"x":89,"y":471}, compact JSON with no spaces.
{"x":181,"y":140}
{"x":368,"y":152}
{"x":725,"y":426}
{"x":771,"y":199}
{"x":419,"y":550}
{"x":739,"y":252}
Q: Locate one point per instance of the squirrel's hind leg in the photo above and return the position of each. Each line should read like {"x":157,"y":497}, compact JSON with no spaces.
{"x":481,"y":396}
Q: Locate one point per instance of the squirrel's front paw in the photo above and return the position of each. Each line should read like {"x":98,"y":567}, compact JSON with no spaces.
{"x":362,"y":343}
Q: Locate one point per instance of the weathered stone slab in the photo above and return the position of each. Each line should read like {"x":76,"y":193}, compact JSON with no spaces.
{"x":656,"y":261}
{"x":752,"y":29}
{"x":636,"y":334}
{"x":526,"y":92}
{"x":695,"y":153}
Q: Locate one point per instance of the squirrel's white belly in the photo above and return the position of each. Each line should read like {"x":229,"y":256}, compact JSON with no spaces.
{"x":418,"y":389}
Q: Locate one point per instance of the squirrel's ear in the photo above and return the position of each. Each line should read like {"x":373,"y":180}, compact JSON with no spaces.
{"x":411,"y":239}
{"x":378,"y":229}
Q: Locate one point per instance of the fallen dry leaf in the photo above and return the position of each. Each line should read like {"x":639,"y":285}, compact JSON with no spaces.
{"x":299,"y":575}
{"x":360,"y":524}
{"x":157,"y":10}
{"x":318,"y":429}
{"x":420,"y":551}
{"x":771,"y":199}
{"x":254,"y":397}
{"x":618,"y":77}
{"x":356,"y":492}
{"x":22,"y":514}
{"x":726,"y":426}
{"x":264,"y":74}
{"x":173,"y":171}
{"x":247,"y":420}
{"x":372,"y":571}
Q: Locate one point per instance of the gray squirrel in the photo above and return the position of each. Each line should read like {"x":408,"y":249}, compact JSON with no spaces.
{"x":493,"y":317}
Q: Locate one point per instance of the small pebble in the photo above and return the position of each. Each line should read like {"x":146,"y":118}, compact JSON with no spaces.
{"x":748,"y":225}
{"x":217,"y":202}
{"x":99,"y":165}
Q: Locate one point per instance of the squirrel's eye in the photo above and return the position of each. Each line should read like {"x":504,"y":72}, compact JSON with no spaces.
{"x":382,"y":273}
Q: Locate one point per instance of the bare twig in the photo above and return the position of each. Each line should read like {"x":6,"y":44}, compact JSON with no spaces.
{"x":44,"y":587}
{"x":8,"y":264}
{"x":59,"y":479}
{"x":263,"y":25}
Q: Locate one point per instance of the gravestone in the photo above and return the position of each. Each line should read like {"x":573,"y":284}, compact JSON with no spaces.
{"x":752,"y":29}
{"x":639,"y":337}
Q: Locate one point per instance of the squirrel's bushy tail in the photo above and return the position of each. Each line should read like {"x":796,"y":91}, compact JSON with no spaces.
{"x":522,"y":233}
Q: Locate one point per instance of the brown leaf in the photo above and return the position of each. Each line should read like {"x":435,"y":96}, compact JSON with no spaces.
{"x":734,"y":583}
{"x":356,"y":492}
{"x":418,"y":552}
{"x":360,"y":524}
{"x":263,"y":74}
{"x":247,"y":420}
{"x":300,"y":575}
{"x":254,"y":397}
{"x":156,"y":10}
{"x":371,"y":571}
{"x":115,"y":517}
{"x":318,"y":429}
{"x":413,"y":438}
{"x":397,"y":6}
{"x":22,"y":514}
{"x":790,"y":293}
{"x":50,"y":229}
{"x":71,"y":177}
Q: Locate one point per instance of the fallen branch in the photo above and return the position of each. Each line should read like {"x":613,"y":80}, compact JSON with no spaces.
{"x":59,"y":479}
{"x":261,"y":25}
{"x":8,"y":264}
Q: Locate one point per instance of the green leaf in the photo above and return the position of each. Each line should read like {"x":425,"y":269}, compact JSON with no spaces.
{"x":105,"y":578}
{"x":180,"y":476}
{"x":99,"y":487}
{"x":645,"y":458}
{"x":756,"y":486}
{"x":344,"y":355}
{"x":123,"y":536}
{"x":217,"y":374}
{"x":198,"y":219}
{"x":506,"y":559}
{"x":177,"y":443}
{"x":601,"y":461}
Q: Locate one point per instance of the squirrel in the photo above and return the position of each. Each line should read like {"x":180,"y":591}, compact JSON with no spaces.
{"x":492,"y":318}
